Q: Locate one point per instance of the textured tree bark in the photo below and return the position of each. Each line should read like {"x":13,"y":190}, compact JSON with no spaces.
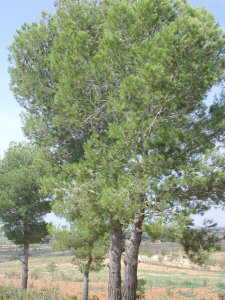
{"x":115,"y":253}
{"x":131,"y":259}
{"x":24,"y":273}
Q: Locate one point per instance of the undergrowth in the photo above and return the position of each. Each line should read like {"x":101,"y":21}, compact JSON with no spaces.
{"x":7,"y":293}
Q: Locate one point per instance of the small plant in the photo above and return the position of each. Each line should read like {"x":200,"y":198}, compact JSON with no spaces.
{"x":141,"y":289}
{"x":31,"y":294}
{"x":161,"y":258}
{"x":11,"y":274}
{"x":200,"y":243}
{"x":164,"y":252}
{"x":52,"y":268}
{"x":89,"y":249}
{"x":221,"y":295}
{"x":94,"y":297}
{"x":187,"y":293}
{"x":174,"y":256}
{"x":205,"y":282}
{"x":150,"y":253}
{"x":65,"y":277}
{"x":170,"y":292}
{"x":221,"y":285}
{"x":35,"y":274}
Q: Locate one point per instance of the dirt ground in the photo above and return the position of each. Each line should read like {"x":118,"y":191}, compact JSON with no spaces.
{"x":72,"y":288}
{"x":99,"y":288}
{"x":191,"y":282}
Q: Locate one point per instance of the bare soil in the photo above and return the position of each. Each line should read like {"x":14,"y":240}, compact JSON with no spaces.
{"x":99,"y":288}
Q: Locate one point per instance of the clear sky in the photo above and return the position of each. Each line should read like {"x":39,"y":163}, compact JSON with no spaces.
{"x":13,"y":14}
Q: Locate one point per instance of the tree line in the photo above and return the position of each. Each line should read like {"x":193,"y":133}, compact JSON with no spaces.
{"x":121,"y":136}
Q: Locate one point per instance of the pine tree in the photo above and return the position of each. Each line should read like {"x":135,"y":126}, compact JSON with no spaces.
{"x":89,"y":247}
{"x":119,"y":90}
{"x":22,"y":201}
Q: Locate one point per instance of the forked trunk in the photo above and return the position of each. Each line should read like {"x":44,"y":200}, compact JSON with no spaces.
{"x":24,"y":273}
{"x":131,"y":259}
{"x":115,"y":253}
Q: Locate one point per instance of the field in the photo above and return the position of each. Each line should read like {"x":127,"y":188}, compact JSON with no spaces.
{"x":164,"y":273}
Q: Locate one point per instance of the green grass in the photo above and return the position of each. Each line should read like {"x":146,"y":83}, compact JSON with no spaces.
{"x":221,"y":285}
{"x":221,"y":295}
{"x":56,"y":266}
{"x":44,"y":294}
{"x":180,"y":282}
{"x":187,"y":293}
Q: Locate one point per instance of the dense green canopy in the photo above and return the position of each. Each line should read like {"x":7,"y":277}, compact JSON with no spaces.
{"x":116,"y":90}
{"x":22,"y":202}
{"x":123,"y":83}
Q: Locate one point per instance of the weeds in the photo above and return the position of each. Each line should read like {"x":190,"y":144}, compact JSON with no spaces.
{"x":221,"y":285}
{"x":52,"y":268}
{"x":175,"y":282}
{"x":44,"y":294}
{"x":11,"y":274}
{"x":141,"y":289}
{"x":187,"y":293}
{"x":221,"y":295}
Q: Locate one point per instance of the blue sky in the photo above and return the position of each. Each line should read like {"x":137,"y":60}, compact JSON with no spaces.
{"x":13,"y":14}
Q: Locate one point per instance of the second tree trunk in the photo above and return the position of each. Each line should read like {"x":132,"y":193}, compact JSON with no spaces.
{"x":131,"y":259}
{"x":24,"y":273}
{"x":86,"y":278}
{"x":116,"y":249}
{"x":86,"y":285}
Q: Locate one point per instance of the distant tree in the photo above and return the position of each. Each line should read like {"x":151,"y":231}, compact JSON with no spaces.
{"x":89,"y":248}
{"x":22,"y":201}
{"x":198,"y":242}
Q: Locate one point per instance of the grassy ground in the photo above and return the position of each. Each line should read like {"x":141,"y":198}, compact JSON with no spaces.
{"x":48,"y":268}
{"x":44,"y":294}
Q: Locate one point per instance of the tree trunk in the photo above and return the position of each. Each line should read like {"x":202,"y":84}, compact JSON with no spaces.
{"x":131,"y":259}
{"x":25,"y":266}
{"x":115,"y":253}
{"x":86,"y":285}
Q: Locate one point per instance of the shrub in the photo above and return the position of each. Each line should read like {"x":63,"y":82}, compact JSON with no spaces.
{"x":141,"y":289}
